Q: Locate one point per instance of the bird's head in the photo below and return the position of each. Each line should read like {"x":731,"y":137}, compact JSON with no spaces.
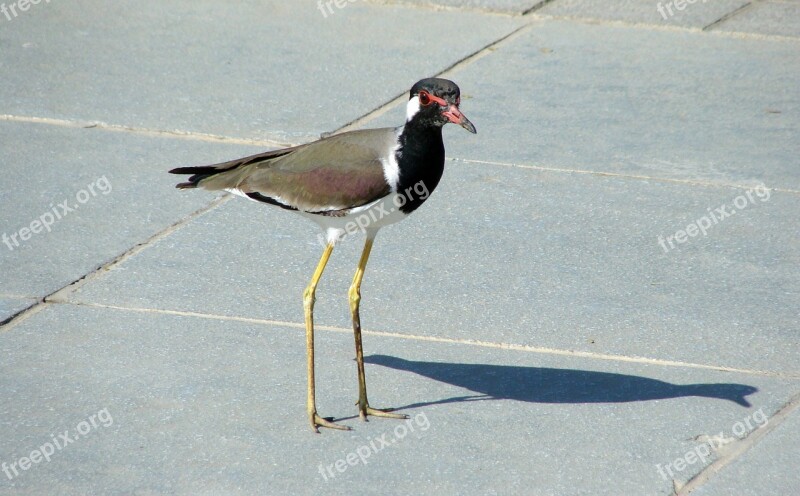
{"x":434,"y":102}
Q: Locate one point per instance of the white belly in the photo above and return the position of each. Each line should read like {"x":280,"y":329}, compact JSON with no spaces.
{"x":366,"y":219}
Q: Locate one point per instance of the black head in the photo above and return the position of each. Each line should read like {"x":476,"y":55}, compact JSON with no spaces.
{"x":434,"y":102}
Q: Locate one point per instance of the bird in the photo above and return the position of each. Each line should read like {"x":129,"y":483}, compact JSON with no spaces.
{"x":351,"y":182}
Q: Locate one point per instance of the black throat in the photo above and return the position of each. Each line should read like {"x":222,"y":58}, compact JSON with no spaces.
{"x":420,"y":159}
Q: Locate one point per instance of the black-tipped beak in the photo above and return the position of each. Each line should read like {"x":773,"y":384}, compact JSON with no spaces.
{"x":455,"y":116}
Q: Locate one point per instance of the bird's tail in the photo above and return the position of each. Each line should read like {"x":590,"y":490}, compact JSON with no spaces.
{"x":201,"y":173}
{"x":198,"y":174}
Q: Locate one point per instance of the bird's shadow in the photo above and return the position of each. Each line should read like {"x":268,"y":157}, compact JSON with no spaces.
{"x":548,"y":385}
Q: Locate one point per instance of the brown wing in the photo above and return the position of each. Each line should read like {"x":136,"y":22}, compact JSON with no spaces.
{"x":338,"y":172}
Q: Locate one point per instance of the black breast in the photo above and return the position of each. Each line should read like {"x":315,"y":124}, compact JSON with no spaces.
{"x":420,"y":159}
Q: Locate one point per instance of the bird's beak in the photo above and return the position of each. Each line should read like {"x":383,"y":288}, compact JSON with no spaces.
{"x":455,"y":116}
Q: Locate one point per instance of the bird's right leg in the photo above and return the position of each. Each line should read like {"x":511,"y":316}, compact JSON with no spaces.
{"x":308,"y":305}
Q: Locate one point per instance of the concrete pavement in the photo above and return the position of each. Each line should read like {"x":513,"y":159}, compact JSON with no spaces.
{"x":601,"y":297}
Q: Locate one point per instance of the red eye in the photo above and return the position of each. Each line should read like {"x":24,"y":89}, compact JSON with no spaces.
{"x":424,"y":98}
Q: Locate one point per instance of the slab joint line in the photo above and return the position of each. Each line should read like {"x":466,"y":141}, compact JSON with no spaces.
{"x":727,"y":16}
{"x":741,"y":447}
{"x":57,"y":295}
{"x":468,"y":59}
{"x":437,"y":339}
{"x":536,"y":7}
{"x":187,"y":135}
{"x":617,"y":174}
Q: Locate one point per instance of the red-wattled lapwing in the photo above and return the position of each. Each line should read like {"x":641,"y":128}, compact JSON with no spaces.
{"x":358,"y":180}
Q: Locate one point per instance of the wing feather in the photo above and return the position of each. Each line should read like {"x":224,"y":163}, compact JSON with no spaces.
{"x":335,"y":173}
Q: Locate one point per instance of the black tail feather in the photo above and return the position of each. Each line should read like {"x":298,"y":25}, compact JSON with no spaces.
{"x":199,"y":173}
{"x":206,"y":171}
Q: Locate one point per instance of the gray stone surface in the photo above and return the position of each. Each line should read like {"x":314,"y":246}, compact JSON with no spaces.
{"x":777,"y":18}
{"x":198,"y":406}
{"x":696,"y":14}
{"x":134,"y":198}
{"x":763,"y":469}
{"x":515,"y":247}
{"x":505,"y":6}
{"x":266,"y":69}
{"x":635,"y":101}
{"x":11,"y":306}
{"x":468,"y":265}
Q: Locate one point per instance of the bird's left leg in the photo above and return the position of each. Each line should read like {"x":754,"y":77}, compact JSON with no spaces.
{"x":355,"y":299}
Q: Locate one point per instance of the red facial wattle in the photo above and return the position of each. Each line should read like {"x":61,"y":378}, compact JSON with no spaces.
{"x":451,"y":112}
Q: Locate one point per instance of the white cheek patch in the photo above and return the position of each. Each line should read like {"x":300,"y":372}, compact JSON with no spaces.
{"x":412,"y":108}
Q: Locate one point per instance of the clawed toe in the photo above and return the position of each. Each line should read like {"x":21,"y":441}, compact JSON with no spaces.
{"x":378,"y":412}
{"x":317,"y":422}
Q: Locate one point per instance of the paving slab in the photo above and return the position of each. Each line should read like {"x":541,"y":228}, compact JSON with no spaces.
{"x":513,"y":255}
{"x":11,"y":306}
{"x":692,"y":13}
{"x":765,"y":469}
{"x":505,"y":6}
{"x":162,"y":404}
{"x":775,"y":18}
{"x":272,"y":69}
{"x":77,"y":198}
{"x":632,"y":100}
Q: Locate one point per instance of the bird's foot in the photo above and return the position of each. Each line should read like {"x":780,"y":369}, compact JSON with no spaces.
{"x":365,"y":410}
{"x":317,"y":422}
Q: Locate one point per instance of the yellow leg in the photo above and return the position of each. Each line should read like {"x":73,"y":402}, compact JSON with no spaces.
{"x":355,"y":299}
{"x":308,"y":305}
